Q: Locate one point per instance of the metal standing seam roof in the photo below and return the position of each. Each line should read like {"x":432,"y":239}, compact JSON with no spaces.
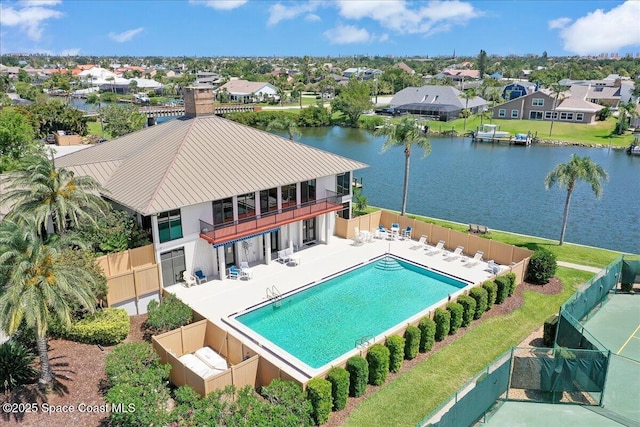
{"x":189,"y":161}
{"x":245,"y":87}
{"x":434,"y":95}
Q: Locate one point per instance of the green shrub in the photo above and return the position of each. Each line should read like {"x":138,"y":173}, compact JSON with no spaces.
{"x":16,"y":366}
{"x":170,"y":314}
{"x":358,"y":369}
{"x":492,"y":291}
{"x":427,"y":334}
{"x":480,"y":295}
{"x":549,"y":331}
{"x":443,"y":323}
{"x":411,"y":342}
{"x":468,"y":309}
{"x":132,"y":362}
{"x":395,"y":344}
{"x":339,"y":379}
{"x":378,"y":359}
{"x":542,"y":266}
{"x":455,"y":310}
{"x":285,"y":398}
{"x":108,"y":326}
{"x":319,"y":394}
{"x":512,"y":282}
{"x":502,"y":284}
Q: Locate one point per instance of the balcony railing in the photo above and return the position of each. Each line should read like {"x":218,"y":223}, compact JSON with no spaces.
{"x":219,"y":233}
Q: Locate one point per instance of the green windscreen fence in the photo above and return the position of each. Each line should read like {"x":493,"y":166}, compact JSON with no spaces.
{"x":630,"y":270}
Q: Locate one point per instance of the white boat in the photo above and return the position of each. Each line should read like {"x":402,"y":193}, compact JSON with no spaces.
{"x":522,"y":139}
{"x":490,"y":132}
{"x":634,"y":148}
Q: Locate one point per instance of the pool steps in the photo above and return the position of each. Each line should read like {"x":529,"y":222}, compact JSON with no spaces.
{"x":388,"y":264}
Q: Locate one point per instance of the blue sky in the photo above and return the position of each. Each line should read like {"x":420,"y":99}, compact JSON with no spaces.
{"x":318,"y":27}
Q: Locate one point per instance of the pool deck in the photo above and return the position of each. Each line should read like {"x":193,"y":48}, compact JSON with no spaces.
{"x":216,"y":299}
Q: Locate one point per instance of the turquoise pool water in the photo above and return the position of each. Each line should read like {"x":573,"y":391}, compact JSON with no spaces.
{"x":323,"y":322}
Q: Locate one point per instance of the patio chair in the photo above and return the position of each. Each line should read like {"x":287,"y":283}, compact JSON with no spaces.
{"x":234,"y":272}
{"x":246,"y":271}
{"x":395,"y":230}
{"x":283,"y":255}
{"x":189,"y":280}
{"x":473,"y":228}
{"x":422,"y":243}
{"x":200,"y":276}
{"x":483,"y":229}
{"x":437,"y":249}
{"x":456,"y":254}
{"x":406,"y":233}
{"x":357,"y":238}
{"x":492,"y":267}
{"x":381,"y":232}
{"x":472,"y":262}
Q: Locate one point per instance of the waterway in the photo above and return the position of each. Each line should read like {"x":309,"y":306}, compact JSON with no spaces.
{"x":497,"y":185}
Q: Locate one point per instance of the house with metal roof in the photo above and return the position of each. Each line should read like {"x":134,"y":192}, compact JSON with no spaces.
{"x":439,"y":102}
{"x":214,"y":192}
{"x":246,"y":91}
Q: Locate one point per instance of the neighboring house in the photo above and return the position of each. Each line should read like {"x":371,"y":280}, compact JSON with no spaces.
{"x":518,"y":89}
{"x":440,"y":102}
{"x":245,"y":91}
{"x":214,"y":192}
{"x":610,"y":91}
{"x":405,"y":67}
{"x":362,"y":73}
{"x":540,"y":106}
{"x":207,"y":77}
{"x":459,"y":75}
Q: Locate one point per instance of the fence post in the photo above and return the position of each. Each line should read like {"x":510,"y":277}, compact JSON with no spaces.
{"x":506,"y":398}
{"x":606,"y":374}
{"x":555,"y":338}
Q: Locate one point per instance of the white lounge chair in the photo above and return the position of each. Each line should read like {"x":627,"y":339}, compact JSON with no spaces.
{"x":357,"y":238}
{"x":456,"y":254}
{"x":283,"y":255}
{"x":477,"y":259}
{"x":438,"y":248}
{"x":245,"y":270}
{"x":189,"y":280}
{"x":422,"y":243}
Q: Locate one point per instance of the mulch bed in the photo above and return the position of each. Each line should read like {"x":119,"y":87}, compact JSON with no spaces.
{"x":79,"y":370}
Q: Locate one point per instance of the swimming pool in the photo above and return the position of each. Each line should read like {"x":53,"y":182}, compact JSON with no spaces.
{"x":322,"y":322}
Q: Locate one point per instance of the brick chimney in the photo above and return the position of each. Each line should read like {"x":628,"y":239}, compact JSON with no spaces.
{"x":198,"y":100}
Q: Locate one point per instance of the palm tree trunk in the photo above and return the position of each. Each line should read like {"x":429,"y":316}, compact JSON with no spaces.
{"x":566,"y":213}
{"x":46,"y":377}
{"x":405,"y":190}
{"x":553,"y":113}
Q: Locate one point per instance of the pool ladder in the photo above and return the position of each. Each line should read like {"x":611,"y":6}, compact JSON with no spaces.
{"x":273,"y":295}
{"x":364,"y":341}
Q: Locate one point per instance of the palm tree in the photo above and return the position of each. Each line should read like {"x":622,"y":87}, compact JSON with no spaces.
{"x":286,"y":123}
{"x":566,"y":175}
{"x":556,"y":89}
{"x":41,"y":190}
{"x":467,"y":95}
{"x":405,"y":134}
{"x":39,"y":286}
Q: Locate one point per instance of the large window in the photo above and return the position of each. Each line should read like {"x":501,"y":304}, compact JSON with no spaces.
{"x":345,"y":211}
{"x":222,"y":211}
{"x":502,"y":112}
{"x":289,"y":195}
{"x":537,"y":102}
{"x":535,"y":115}
{"x":169,"y":225}
{"x":549,"y":114}
{"x":579,"y":117}
{"x":268,"y":200}
{"x":343,"y":186}
{"x":172,"y":264}
{"x":566,"y":116}
{"x":307,"y":191}
{"x":514,"y":114}
{"x":246,"y":205}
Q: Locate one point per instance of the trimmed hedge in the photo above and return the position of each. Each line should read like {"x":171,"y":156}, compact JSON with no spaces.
{"x":455,"y":310}
{"x":395,"y":344}
{"x":170,"y":314}
{"x":378,"y":358}
{"x":427,"y":334}
{"x":549,"y":331}
{"x":358,"y":369}
{"x":503,"y":284}
{"x":411,"y":342}
{"x":492,"y":292}
{"x":542,"y":266}
{"x":512,"y":282}
{"x":108,"y":326}
{"x":319,"y":394}
{"x":339,"y":379}
{"x":468,"y":309}
{"x":443,"y":323}
{"x":480,"y":295}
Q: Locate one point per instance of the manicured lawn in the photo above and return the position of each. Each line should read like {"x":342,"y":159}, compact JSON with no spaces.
{"x":93,"y":128}
{"x":598,"y":133}
{"x":412,"y":396}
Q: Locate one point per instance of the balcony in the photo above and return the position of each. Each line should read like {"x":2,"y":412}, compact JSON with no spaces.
{"x":221,"y":233}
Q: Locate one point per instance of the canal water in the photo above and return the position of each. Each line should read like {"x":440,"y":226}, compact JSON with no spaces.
{"x":497,"y":185}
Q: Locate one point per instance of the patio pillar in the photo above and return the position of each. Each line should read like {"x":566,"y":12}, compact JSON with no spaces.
{"x":267,"y":248}
{"x":221,"y":263}
{"x":327,"y":227}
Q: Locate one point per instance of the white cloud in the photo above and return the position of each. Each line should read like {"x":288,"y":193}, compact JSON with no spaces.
{"x":604,"y":31}
{"x":220,"y":4}
{"x":30,"y":18}
{"x":70,"y":52}
{"x":559,"y":23}
{"x":347,"y":34}
{"x":125,"y":36}
{"x":399,"y":16}
{"x":279,"y":12}
{"x":383,"y":38}
{"x":312,"y":17}
{"x":40,"y":2}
